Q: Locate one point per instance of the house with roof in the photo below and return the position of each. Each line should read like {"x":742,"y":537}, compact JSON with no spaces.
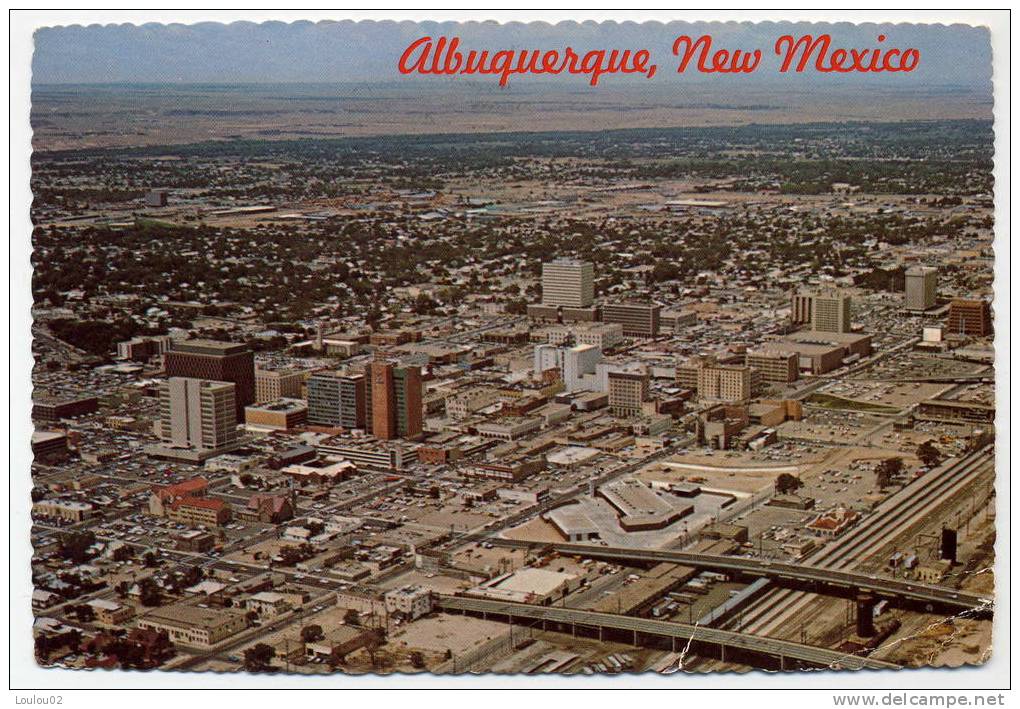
{"x":270,"y":509}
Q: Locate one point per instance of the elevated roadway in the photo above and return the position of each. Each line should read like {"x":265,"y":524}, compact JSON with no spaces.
{"x":811,"y":577}
{"x":730,"y":645}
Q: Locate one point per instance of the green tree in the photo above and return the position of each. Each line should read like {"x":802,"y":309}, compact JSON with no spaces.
{"x":311,"y":633}
{"x":787,"y":483}
{"x":928,"y":454}
{"x":75,"y":546}
{"x":886,"y":470}
{"x":258,"y":658}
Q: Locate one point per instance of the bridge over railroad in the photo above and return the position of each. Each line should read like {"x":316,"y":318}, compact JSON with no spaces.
{"x":806,"y":577}
{"x":728,"y":646}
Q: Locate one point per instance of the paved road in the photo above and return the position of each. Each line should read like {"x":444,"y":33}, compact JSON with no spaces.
{"x":819,"y":657}
{"x":944,"y":597}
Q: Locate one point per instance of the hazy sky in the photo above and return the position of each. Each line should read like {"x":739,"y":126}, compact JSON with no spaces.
{"x":956,"y":55}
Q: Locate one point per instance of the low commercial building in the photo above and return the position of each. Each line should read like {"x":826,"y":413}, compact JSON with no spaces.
{"x":956,"y":412}
{"x":277,"y":415}
{"x":465,"y":403}
{"x":49,"y":444}
{"x":338,"y":643}
{"x":640,"y":507}
{"x":53,"y":409}
{"x":719,"y":425}
{"x":596,"y":334}
{"x":68,"y":510}
{"x":677,"y":320}
{"x":199,"y":511}
{"x":572,"y":522}
{"x":369,"y":452}
{"x":513,"y":471}
{"x":822,"y":352}
{"x":268,"y":604}
{"x":320,"y":472}
{"x":195,"y":540}
{"x":409,"y":601}
{"x":509,"y":428}
{"x":537,"y":586}
{"x":111,"y":612}
{"x":192,"y":626}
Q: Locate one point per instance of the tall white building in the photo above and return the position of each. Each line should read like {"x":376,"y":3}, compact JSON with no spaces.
{"x":197,"y":413}
{"x":921,"y":283}
{"x":577,"y":365}
{"x":547,"y":357}
{"x":569,"y":283}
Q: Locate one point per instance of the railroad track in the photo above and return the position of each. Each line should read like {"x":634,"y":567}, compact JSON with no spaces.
{"x":892,"y":518}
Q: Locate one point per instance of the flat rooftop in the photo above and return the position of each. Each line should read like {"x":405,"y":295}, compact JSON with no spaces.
{"x":208,"y":347}
{"x":280,"y":406}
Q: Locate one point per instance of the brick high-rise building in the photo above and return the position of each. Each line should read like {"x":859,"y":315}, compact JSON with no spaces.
{"x":969,"y":317}
{"x":394,"y":400}
{"x":216,"y":361}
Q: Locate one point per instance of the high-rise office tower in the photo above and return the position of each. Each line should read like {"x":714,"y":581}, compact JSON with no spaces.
{"x":920,"y":286}
{"x":800,"y":308}
{"x":352,"y":401}
{"x":197,"y":413}
{"x":725,"y":382}
{"x":628,"y":390}
{"x":969,"y":317}
{"x":569,"y":283}
{"x":637,"y":319}
{"x":271,"y":385}
{"x":393,"y":397}
{"x":830,"y":311}
{"x":216,"y":361}
{"x":336,"y":399}
{"x":775,"y":365}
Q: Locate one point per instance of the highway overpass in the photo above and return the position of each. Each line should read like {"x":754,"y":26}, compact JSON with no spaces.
{"x":727,"y":645}
{"x":805,"y":577}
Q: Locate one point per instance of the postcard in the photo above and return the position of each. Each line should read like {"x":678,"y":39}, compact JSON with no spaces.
{"x":481,"y":348}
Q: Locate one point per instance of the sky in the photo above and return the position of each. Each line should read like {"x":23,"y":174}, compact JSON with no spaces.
{"x":349,"y":52}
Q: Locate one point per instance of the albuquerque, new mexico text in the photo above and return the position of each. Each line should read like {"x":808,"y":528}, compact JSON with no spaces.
{"x":443,"y":57}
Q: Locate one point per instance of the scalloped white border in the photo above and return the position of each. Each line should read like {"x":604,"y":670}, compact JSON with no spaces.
{"x":26,"y":674}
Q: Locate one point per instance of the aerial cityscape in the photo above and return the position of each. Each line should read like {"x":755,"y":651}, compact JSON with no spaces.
{"x":696,"y":398}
